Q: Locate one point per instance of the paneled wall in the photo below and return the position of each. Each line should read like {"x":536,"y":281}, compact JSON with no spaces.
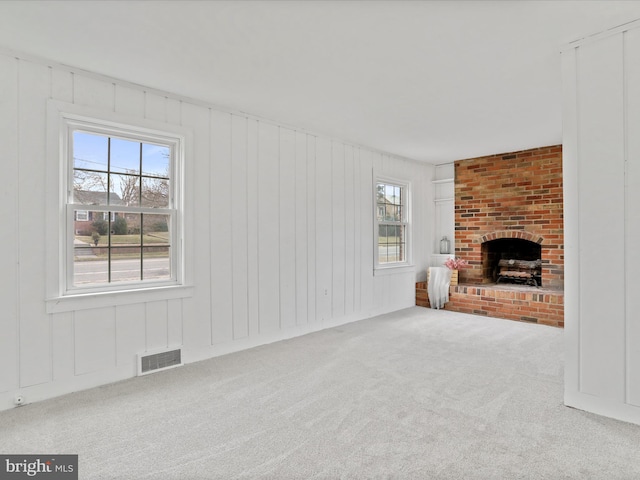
{"x":602,"y":222}
{"x":280,"y":226}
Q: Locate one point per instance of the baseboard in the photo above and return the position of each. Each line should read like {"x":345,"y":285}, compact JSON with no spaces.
{"x":602,"y":406}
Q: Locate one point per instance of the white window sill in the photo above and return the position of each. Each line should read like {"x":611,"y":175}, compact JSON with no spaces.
{"x":84,"y":301}
{"x":393,"y":270}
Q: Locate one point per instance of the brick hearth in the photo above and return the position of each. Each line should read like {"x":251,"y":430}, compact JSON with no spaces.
{"x":511,"y":302}
{"x":515,"y":195}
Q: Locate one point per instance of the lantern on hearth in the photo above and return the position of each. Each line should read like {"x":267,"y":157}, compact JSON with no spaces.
{"x":445,"y":245}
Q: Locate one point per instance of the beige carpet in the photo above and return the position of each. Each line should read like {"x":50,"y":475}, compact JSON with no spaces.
{"x":418,"y":394}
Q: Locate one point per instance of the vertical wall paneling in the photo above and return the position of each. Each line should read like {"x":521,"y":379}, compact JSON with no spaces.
{"x":358,"y":235}
{"x":287,"y":244}
{"x":61,"y":85}
{"x":301,"y":228}
{"x":176,"y":306}
{"x":421,"y":207}
{"x":602,"y":217}
{"x":324,"y":229}
{"x":421,"y":214}
{"x":268,"y":227}
{"x":311,"y":228}
{"x":239,"y":226}
{"x":338,"y":219}
{"x":62,"y":347}
{"x":61,"y":324}
{"x":253,"y":284}
{"x":92,"y":92}
{"x":61,"y":90}
{"x":155,"y":107}
{"x":571,"y":208}
{"x":197,"y":310}
{"x":9,"y":194}
{"x":632,"y":253}
{"x":95,"y":340}
{"x":129,"y":101}
{"x":278,"y":235}
{"x":174,"y":319}
{"x":366,"y":229}
{"x":378,"y":162}
{"x":131,"y":334}
{"x":601,"y":171}
{"x":221,"y":230}
{"x":35,"y":356}
{"x":174,"y":110}
{"x":378,"y":281}
{"x":349,"y":231}
{"x":157,"y":325}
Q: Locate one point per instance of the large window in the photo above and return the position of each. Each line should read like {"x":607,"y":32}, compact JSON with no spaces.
{"x":122,"y":208}
{"x":392,"y":223}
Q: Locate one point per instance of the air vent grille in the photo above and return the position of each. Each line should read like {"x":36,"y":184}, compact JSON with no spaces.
{"x":153,"y":362}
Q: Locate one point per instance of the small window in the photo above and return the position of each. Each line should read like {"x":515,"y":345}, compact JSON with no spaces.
{"x":123,"y":184}
{"x":392,"y":224}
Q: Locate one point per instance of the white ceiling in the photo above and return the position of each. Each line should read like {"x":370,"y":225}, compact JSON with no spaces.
{"x":429,"y":80}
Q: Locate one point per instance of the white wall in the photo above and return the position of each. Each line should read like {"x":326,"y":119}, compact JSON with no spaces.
{"x":602,"y":222}
{"x":281,"y":226}
{"x":444,"y":212}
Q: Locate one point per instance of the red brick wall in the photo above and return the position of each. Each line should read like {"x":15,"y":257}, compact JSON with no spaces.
{"x":511,"y":195}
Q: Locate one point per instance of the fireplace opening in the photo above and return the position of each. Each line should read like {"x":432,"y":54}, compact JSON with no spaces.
{"x":512,"y":260}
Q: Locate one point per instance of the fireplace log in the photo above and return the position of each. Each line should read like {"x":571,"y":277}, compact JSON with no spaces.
{"x":519,"y":270}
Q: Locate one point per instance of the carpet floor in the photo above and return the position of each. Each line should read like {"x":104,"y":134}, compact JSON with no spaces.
{"x":416,"y":394}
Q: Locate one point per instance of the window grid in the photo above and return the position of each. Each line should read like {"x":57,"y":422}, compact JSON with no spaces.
{"x":392,"y":225}
{"x":152,"y":217}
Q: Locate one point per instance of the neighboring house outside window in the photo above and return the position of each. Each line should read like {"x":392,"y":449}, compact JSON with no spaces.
{"x":392,"y":223}
{"x":84,"y":222}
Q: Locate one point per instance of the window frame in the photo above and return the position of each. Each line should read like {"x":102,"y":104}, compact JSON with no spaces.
{"x":61,"y":294}
{"x":135,"y":134}
{"x":406,"y":222}
{"x":125,"y":132}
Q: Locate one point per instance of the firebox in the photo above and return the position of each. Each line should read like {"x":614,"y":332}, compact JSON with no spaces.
{"x":512,"y":260}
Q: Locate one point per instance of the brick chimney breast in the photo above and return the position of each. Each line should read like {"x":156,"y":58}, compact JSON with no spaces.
{"x":516,"y":195}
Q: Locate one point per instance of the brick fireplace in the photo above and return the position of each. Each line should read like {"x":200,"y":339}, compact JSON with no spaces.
{"x":510,"y":207}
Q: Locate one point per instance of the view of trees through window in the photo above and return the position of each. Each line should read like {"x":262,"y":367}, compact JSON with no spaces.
{"x":121,"y":201}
